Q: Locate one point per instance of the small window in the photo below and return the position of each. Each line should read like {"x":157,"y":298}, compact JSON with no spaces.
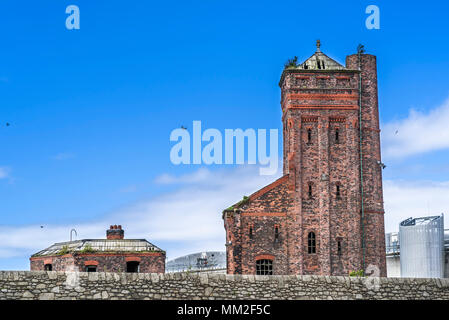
{"x":250,"y":232}
{"x":276,"y":232}
{"x":132,"y":266}
{"x":337,"y":135}
{"x":309,"y":192}
{"x":311,"y":243}
{"x":48,"y":267}
{"x":309,"y":135}
{"x":264,"y":267}
{"x":337,"y":192}
{"x":91,"y":268}
{"x":339,"y":247}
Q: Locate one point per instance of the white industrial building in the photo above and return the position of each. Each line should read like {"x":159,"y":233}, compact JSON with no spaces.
{"x":210,"y":261}
{"x":419,"y":250}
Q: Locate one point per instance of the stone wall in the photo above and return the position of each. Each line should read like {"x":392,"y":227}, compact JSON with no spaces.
{"x":82,"y":285}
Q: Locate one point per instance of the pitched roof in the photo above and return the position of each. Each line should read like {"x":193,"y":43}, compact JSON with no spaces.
{"x":265,"y":196}
{"x":318,"y":61}
{"x":100,"y":245}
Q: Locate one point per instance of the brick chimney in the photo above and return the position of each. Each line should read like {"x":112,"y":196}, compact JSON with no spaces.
{"x":115,"y":233}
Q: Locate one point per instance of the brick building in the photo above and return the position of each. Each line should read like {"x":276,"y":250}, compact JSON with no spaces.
{"x":113,"y":254}
{"x":322,"y":216}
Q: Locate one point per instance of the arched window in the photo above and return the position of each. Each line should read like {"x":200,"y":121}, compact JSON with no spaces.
{"x":309,"y":135}
{"x":276,"y":232}
{"x":132,"y":266}
{"x":311,"y":243}
{"x":264,"y":267}
{"x":337,"y":191}
{"x":337,"y":135}
{"x":91,"y":268}
{"x":250,"y":231}
{"x":48,"y":267}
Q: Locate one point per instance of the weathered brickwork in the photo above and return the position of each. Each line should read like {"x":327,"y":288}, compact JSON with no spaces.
{"x":321,"y":190}
{"x":151,"y":262}
{"x":113,"y":254}
{"x":41,"y":285}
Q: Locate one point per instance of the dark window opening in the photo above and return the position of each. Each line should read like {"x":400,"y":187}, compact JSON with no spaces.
{"x":264,"y":267}
{"x":338,"y":191}
{"x":132,"y":266}
{"x":250,"y":232}
{"x":339,"y":247}
{"x":48,"y":267}
{"x":323,"y":65}
{"x":309,"y":135}
{"x":311,"y":243}
{"x":91,"y":268}
{"x":200,"y":263}
{"x":318,"y":64}
{"x":276,"y":232}
{"x":306,"y":66}
{"x":309,"y":192}
{"x":337,"y":136}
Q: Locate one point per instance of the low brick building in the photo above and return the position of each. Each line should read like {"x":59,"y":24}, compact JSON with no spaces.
{"x":113,"y":254}
{"x":325,"y":215}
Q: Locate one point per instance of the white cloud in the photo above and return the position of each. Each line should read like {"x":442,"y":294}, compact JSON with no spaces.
{"x":4,"y":172}
{"x":418,"y":133}
{"x":190,"y":216}
{"x":404,"y":199}
{"x":63,"y":156}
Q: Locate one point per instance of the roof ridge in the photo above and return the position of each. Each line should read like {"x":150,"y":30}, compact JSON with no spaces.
{"x":268,"y":187}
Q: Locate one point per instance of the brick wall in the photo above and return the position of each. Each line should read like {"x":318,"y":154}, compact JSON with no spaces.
{"x":315,"y":104}
{"x":56,"y":285}
{"x":148,"y":262}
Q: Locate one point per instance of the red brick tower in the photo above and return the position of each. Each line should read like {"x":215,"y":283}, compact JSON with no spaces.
{"x":318,"y":216}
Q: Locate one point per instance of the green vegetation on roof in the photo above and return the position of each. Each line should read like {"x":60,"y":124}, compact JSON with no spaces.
{"x":245,"y":200}
{"x":87,"y":249}
{"x":64,"y":250}
{"x":291,"y":63}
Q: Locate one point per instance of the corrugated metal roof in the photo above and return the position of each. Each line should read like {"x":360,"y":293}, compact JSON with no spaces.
{"x":99,"y":245}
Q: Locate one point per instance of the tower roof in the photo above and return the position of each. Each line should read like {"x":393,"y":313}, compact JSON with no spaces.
{"x":319,"y":61}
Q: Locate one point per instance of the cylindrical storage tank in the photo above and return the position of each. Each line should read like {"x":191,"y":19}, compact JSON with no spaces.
{"x":422,"y":247}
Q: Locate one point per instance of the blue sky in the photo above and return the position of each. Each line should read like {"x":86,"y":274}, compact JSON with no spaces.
{"x":91,"y":110}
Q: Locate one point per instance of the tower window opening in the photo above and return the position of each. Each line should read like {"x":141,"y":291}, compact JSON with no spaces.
{"x":250,"y":232}
{"x":311,"y":243}
{"x":339,"y":247}
{"x":276,"y":232}
{"x":309,"y":135}
{"x":309,"y":192}
{"x":318,"y":64}
{"x":337,"y":135}
{"x":338,"y":193}
{"x":264,"y":267}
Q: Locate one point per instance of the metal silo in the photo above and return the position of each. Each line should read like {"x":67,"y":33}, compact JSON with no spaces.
{"x":422,"y":247}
